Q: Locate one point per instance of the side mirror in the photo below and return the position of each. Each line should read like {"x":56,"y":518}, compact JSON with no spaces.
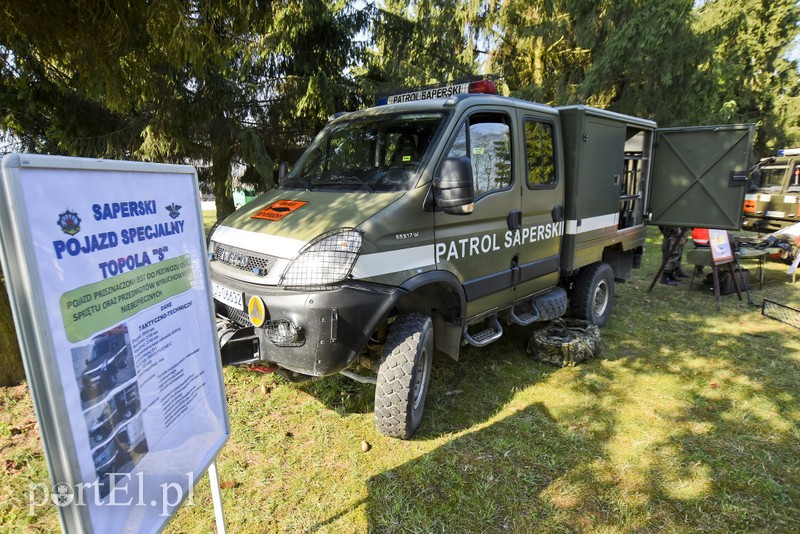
{"x":453,"y":188}
{"x":283,"y":171}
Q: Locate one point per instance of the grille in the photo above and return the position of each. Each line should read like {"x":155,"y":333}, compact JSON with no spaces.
{"x":244,"y":260}
{"x":781,"y":312}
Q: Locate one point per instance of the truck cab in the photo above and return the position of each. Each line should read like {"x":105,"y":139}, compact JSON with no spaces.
{"x":429,"y":223}
{"x":773,"y":199}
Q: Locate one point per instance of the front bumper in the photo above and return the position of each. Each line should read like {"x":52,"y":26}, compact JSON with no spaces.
{"x":335,"y":324}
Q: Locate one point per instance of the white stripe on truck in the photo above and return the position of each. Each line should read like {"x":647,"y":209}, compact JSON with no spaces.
{"x":592,"y":223}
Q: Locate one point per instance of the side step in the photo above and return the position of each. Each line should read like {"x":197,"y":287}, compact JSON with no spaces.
{"x":545,"y":307}
{"x":484,"y":337}
{"x":526,"y":317}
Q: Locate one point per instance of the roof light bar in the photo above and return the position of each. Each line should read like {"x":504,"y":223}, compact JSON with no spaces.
{"x":445,"y":91}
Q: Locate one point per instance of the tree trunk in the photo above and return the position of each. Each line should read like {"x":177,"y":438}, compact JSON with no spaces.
{"x":221,"y":166}
{"x":538,"y":62}
{"x":222,"y":189}
{"x":11,"y":370}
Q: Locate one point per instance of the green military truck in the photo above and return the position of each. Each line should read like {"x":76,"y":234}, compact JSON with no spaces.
{"x":429,"y":223}
{"x":773,"y":199}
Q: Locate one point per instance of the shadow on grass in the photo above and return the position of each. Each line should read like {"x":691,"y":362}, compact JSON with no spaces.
{"x":692,"y":427}
{"x":483,"y":380}
{"x":710,"y":457}
{"x":491,"y":480}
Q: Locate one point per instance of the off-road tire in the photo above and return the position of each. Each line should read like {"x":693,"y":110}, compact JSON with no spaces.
{"x":552,"y":304}
{"x":565,"y":342}
{"x":403,"y":376}
{"x":592,"y":295}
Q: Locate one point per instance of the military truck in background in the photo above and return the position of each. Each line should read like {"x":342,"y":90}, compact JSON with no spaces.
{"x":773,"y":198}
{"x":433,"y":220}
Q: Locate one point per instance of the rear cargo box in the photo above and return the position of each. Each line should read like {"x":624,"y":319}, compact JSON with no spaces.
{"x":606,"y":157}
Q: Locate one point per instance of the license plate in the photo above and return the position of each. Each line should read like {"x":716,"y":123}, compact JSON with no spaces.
{"x":227,"y":296}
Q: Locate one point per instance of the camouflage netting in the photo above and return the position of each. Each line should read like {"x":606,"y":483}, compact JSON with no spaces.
{"x":565,"y":342}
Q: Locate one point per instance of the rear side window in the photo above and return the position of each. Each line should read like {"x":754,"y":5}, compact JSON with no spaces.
{"x":486,"y":140}
{"x":540,"y":154}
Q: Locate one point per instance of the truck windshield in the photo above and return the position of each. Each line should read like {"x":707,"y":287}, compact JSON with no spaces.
{"x":772,"y":176}
{"x":377,"y":154}
{"x":101,"y":348}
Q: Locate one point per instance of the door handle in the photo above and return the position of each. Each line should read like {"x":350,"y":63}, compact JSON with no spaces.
{"x":558,"y":213}
{"x":514,"y":220}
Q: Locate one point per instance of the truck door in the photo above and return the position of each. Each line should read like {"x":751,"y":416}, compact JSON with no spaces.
{"x":699,"y":176}
{"x":538,"y":238}
{"x":473,"y":246}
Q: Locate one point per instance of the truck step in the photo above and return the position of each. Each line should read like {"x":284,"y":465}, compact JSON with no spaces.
{"x":524,"y":317}
{"x":484,"y":337}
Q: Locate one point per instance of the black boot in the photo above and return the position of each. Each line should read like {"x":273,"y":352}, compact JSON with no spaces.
{"x":668,"y":280}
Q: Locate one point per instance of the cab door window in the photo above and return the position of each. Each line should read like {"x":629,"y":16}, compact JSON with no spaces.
{"x":540,"y":154}
{"x":486,"y":140}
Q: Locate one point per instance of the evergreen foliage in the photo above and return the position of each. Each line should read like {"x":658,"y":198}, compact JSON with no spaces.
{"x":247,"y":83}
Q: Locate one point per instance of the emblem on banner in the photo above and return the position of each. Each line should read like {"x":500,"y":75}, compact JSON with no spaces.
{"x":69,"y":222}
{"x":174,"y":210}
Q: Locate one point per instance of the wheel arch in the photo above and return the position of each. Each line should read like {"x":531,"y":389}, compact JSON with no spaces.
{"x":439,"y":295}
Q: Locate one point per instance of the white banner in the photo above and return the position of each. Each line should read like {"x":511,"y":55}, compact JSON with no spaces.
{"x":117,"y":332}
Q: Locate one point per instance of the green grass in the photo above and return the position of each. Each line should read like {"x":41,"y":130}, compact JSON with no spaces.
{"x":688,"y":421}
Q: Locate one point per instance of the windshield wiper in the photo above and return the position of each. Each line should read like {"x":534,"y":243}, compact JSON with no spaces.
{"x":342,"y":180}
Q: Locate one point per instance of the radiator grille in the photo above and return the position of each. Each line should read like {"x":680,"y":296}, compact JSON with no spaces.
{"x":244,"y":260}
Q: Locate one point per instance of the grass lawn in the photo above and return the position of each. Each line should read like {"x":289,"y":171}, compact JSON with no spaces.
{"x":688,"y":421}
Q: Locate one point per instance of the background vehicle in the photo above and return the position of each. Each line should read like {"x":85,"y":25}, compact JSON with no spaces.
{"x":773,"y":199}
{"x":422,"y":225}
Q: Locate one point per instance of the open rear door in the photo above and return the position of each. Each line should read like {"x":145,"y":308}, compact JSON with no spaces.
{"x":699,"y":176}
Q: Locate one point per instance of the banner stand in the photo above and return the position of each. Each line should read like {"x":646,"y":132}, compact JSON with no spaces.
{"x":216,"y":496}
{"x":107,"y":275}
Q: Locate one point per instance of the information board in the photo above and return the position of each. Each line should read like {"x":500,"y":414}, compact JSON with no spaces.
{"x":106,"y":269}
{"x":720,"y":246}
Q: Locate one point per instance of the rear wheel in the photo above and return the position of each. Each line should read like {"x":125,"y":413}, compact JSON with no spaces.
{"x":592,"y":295}
{"x":403,"y":376}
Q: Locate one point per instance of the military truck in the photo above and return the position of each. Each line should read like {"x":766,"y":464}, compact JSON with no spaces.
{"x":773,"y":198}
{"x":431,"y":221}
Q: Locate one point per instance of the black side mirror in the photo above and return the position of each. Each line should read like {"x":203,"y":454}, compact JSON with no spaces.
{"x":283,"y":171}
{"x":453,"y":188}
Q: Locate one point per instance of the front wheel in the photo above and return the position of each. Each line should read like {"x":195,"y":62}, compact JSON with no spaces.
{"x":593,"y":294}
{"x":403,"y":376}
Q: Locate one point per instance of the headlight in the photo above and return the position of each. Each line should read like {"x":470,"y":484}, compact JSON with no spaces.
{"x":328,"y":259}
